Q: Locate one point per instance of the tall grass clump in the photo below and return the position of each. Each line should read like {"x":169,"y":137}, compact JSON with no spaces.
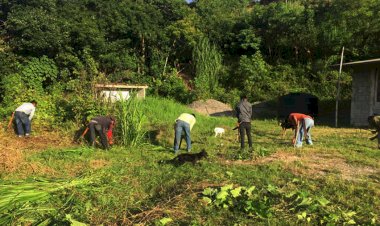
{"x":130,"y":119}
{"x":162,"y":110}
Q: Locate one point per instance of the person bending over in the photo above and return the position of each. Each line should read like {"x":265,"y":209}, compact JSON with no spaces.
{"x":185,"y":123}
{"x":302,"y":124}
{"x":102,"y":126}
{"x":23,"y":117}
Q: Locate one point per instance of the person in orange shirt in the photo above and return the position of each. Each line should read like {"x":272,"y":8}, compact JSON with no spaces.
{"x":302,"y":124}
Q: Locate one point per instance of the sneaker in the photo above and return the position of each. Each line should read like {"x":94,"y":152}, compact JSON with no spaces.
{"x":20,"y":136}
{"x":189,"y":150}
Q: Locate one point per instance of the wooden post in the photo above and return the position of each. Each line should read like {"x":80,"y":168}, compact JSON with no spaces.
{"x":11,"y":120}
{"x":338,"y":89}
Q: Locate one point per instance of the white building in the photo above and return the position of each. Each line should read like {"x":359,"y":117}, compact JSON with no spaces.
{"x":116,"y":92}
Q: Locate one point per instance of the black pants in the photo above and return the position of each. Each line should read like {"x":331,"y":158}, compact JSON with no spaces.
{"x":245,"y":127}
{"x":98,"y":129}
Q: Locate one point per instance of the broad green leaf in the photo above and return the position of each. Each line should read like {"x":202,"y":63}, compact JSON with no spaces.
{"x":295,"y":180}
{"x":323,"y":201}
{"x":236,"y":192}
{"x":250,"y":190}
{"x":74,"y":222}
{"x":207,"y":200}
{"x":305,"y":202}
{"x":350,"y":214}
{"x":227,"y":187}
{"x":272,"y":188}
{"x":208,"y":191}
{"x":291,"y":194}
{"x":222,"y":195}
{"x":166,"y":220}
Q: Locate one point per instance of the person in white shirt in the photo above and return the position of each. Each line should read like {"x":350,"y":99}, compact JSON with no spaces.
{"x":23,"y":117}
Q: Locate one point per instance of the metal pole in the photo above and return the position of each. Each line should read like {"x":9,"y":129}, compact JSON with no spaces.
{"x":338,"y":89}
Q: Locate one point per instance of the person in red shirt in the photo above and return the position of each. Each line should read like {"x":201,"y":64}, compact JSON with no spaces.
{"x":302,"y":124}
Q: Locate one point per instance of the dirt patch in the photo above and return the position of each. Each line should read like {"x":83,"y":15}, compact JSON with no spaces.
{"x":98,"y":163}
{"x":9,"y":161}
{"x":38,"y":168}
{"x":314,"y":164}
{"x":13,"y":148}
{"x":319,"y":164}
{"x":211,"y":107}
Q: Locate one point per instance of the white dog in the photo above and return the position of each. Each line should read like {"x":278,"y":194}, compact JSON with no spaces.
{"x":218,"y":131}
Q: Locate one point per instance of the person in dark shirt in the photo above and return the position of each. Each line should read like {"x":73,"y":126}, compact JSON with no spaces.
{"x":102,"y":126}
{"x":244,"y":115}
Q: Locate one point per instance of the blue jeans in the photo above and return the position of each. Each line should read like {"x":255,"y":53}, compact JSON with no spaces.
{"x":308,"y":123}
{"x":22,"y":120}
{"x":179,"y":127}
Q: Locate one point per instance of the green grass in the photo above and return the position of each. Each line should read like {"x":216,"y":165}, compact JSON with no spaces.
{"x":128,"y":185}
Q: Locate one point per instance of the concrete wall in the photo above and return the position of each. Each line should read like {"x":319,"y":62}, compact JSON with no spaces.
{"x":362,"y":96}
{"x":114,"y":96}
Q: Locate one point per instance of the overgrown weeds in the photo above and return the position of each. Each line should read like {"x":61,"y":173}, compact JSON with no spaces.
{"x":130,"y":119}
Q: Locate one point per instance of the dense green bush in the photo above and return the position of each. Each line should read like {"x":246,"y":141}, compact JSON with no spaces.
{"x":171,"y":85}
{"x":35,"y":80}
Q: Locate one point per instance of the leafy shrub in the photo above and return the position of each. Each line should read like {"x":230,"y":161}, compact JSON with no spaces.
{"x":261,"y":203}
{"x":32,"y":82}
{"x":172,"y":86}
{"x":251,"y":201}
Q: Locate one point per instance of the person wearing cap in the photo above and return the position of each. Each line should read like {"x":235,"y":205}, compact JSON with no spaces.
{"x":102,"y":126}
{"x":302,"y":124}
{"x":23,"y":117}
{"x":244,"y":115}
{"x":184,"y":122}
